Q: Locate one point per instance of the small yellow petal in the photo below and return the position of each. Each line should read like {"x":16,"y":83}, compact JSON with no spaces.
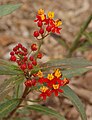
{"x":57,"y":73}
{"x":40,"y":11}
{"x":43,"y":89}
{"x":50,"y":76}
{"x":58,"y":22}
{"x":56,"y":86}
{"x":51,"y":15}
{"x":40,"y":74}
{"x":42,"y":17}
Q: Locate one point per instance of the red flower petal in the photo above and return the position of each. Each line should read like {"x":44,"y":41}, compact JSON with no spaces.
{"x":60,"y":90}
{"x":56,"y":92}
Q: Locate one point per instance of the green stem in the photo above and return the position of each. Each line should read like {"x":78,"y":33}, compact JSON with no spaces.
{"x":17,"y":93}
{"x":77,"y":38}
{"x":41,"y":41}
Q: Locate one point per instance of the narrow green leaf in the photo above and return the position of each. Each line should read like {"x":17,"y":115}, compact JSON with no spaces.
{"x":76,"y":40}
{"x":4,"y":70}
{"x":69,"y":67}
{"x":7,"y":107}
{"x":18,"y":91}
{"x":7,"y":68}
{"x":88,"y":36}
{"x":8,"y":84}
{"x":25,"y":113}
{"x":46,"y":110}
{"x":84,"y":46}
{"x":8,"y":9}
{"x":60,"y":40}
{"x":69,"y":73}
{"x":69,"y":93}
{"x":67,"y":63}
{"x":23,"y":118}
{"x":35,"y":69}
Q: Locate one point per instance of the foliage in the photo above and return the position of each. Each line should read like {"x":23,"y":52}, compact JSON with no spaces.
{"x":7,"y":107}
{"x":7,"y":9}
{"x":69,"y":93}
{"x":45,"y":110}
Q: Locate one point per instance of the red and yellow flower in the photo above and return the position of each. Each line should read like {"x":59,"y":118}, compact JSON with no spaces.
{"x":52,"y":82}
{"x":44,"y":92}
{"x":56,"y":89}
{"x":47,"y":22}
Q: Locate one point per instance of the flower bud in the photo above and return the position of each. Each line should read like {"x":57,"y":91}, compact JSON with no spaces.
{"x":33,"y":47}
{"x":23,"y":66}
{"x":13,"y":58}
{"x":39,"y":55}
{"x":34,"y":62}
{"x":31,"y":58}
{"x":30,"y":66}
{"x":36,"y":33}
{"x":48,"y":28}
{"x":41,"y":31}
{"x":39,"y":24}
{"x":28,"y":83}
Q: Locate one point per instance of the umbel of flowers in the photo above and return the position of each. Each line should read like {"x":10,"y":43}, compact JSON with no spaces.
{"x":51,"y":84}
{"x":27,"y":60}
{"x":46,"y":24}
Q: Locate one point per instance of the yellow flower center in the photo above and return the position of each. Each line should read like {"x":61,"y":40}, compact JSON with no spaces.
{"x":50,"y":76}
{"x":56,"y":86}
{"x":57,"y":73}
{"x":40,"y":11}
{"x":40,"y":74}
{"x":43,"y":89}
{"x":58,"y":22}
{"x":51,"y":15}
{"x":42,"y":17}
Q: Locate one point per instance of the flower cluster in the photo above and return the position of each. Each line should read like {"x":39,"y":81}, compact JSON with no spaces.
{"x":46,"y":24}
{"x":24,"y":60}
{"x":51,"y":84}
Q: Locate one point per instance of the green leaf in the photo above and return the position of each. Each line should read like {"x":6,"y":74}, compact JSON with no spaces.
{"x":8,"y":84}
{"x":60,"y":40}
{"x":66,"y":63}
{"x":84,"y":46}
{"x":23,"y":118}
{"x":46,"y":110}
{"x":25,"y":113}
{"x":88,"y":35}
{"x":69,"y":73}
{"x":7,"y":68}
{"x":18,"y":91}
{"x":35,"y":69}
{"x":8,"y":9}
{"x":4,"y":70}
{"x":7,"y":107}
{"x":69,"y":93}
{"x":69,"y":67}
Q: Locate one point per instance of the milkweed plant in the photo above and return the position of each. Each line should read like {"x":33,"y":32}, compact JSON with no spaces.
{"x":52,"y":77}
